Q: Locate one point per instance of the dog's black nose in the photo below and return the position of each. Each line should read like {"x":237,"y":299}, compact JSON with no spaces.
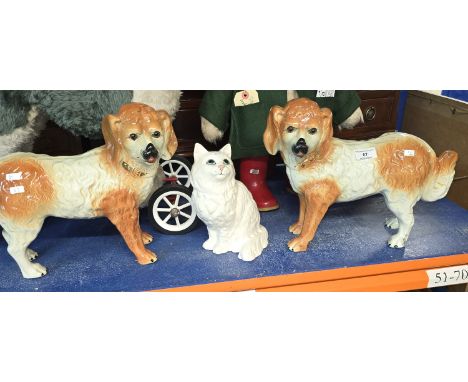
{"x":300,"y":148}
{"x":149,"y":152}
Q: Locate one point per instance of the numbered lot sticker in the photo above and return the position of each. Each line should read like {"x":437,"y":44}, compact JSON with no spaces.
{"x":14,"y":176}
{"x":325,"y":93}
{"x":365,"y":154}
{"x":16,"y":190}
{"x":447,"y":276}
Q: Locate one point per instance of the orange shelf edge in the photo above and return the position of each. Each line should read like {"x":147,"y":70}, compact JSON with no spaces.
{"x":402,"y":275}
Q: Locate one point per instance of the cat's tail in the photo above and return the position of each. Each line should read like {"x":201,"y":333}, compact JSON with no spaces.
{"x":253,"y":247}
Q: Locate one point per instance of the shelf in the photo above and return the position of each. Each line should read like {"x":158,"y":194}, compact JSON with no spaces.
{"x":349,"y":252}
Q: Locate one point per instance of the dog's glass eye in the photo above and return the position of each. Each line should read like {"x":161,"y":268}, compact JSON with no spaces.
{"x":156,"y":134}
{"x":226,"y":161}
{"x":290,"y":129}
{"x":133,"y":136}
{"x":210,"y":161}
{"x":313,"y":130}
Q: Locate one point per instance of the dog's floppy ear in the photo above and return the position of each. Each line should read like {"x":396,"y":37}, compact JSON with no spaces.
{"x":110,"y":130}
{"x":272,"y":134}
{"x":327,"y":116}
{"x":170,"y":139}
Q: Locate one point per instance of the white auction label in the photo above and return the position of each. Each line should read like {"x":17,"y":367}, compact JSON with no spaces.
{"x":14,"y":176}
{"x":447,"y":276}
{"x":325,"y":93}
{"x":365,"y":153}
{"x":408,"y":153}
{"x":16,"y":190}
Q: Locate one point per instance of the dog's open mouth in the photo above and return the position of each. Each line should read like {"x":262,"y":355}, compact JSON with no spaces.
{"x":151,"y":159}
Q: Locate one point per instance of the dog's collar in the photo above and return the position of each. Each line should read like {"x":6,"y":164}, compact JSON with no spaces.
{"x":133,"y":170}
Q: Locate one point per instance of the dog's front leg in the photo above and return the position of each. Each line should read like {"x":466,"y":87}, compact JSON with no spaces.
{"x":318,"y":196}
{"x":296,"y":228}
{"x":121,"y":208}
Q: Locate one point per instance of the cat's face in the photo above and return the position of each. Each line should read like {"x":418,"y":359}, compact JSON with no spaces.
{"x":212,"y":165}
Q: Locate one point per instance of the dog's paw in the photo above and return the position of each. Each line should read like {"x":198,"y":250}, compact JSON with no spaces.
{"x":33,"y":271}
{"x":146,"y":237}
{"x":147,"y":257}
{"x":31,"y":255}
{"x":295,"y":228}
{"x":396,"y":241}
{"x":298,"y":245}
{"x":392,"y":223}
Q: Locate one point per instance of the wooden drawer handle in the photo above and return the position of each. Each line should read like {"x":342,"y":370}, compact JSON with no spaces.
{"x":369,"y":114}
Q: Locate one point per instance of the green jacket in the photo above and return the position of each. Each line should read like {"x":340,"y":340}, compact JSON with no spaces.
{"x":247,"y":123}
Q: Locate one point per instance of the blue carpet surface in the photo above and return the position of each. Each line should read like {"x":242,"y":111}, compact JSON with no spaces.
{"x":90,"y":255}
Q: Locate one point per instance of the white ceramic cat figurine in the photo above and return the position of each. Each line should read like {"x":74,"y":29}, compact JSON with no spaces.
{"x":225,"y":205}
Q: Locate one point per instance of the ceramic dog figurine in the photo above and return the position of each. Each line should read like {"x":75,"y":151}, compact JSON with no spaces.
{"x":324,"y":170}
{"x":112,"y":181}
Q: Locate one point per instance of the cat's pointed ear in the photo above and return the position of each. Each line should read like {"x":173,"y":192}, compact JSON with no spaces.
{"x":227,"y":150}
{"x":198,"y":151}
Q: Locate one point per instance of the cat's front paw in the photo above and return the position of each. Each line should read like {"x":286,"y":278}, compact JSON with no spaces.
{"x":295,"y":228}
{"x":219,"y":249}
{"x":298,"y":244}
{"x":209,"y":244}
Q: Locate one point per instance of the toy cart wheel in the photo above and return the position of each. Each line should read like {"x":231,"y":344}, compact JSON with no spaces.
{"x":178,"y":167}
{"x":170,"y":210}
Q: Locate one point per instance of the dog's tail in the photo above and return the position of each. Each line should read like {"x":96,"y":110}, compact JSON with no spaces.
{"x":441,"y":178}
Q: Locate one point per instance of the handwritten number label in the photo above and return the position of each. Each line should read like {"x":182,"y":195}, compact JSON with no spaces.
{"x":325,"y":93}
{"x":365,"y":154}
{"x":16,"y":190}
{"x":14,"y":176}
{"x":447,"y":276}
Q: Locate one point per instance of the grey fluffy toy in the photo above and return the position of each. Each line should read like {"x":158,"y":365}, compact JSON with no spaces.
{"x":24,"y":113}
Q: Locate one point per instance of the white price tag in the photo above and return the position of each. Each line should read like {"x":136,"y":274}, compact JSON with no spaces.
{"x":14,"y":176}
{"x":408,"y":153}
{"x":325,"y":93}
{"x":365,"y":153}
{"x":447,"y":276}
{"x":246,"y":97}
{"x":16,"y":190}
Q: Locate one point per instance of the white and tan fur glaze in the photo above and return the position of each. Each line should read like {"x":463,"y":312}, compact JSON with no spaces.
{"x":324,"y":170}
{"x":111,"y":181}
{"x":225,"y":205}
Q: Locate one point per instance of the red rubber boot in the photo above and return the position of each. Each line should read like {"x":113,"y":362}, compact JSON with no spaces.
{"x":253,"y":172}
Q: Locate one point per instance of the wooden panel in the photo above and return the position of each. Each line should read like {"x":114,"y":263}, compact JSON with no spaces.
{"x":385,"y":107}
{"x":443,"y":123}
{"x":56,"y":141}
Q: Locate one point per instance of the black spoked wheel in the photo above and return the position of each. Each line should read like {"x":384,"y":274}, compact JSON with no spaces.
{"x":178,"y":167}
{"x":170,"y":210}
